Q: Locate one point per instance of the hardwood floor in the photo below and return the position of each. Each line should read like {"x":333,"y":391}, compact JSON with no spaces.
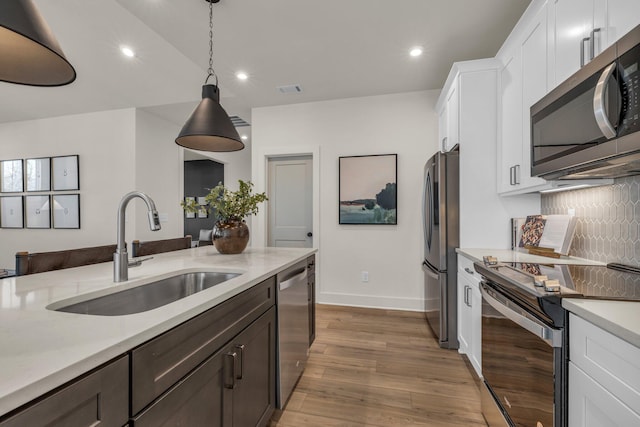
{"x":373,"y":367}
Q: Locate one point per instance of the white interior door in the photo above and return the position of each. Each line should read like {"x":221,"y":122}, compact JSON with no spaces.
{"x":290,"y":192}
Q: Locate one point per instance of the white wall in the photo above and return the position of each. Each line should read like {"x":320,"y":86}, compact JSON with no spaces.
{"x":405,"y":124}
{"x":120,"y":151}
{"x":159,"y":172}
{"x":105,"y":143}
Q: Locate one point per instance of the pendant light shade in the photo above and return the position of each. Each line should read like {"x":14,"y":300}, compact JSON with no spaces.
{"x":209,"y":128}
{"x":29,"y":52}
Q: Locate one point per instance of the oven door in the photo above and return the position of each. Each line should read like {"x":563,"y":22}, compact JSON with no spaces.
{"x":519,"y":359}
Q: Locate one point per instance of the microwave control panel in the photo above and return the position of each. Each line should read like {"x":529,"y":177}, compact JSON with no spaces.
{"x":629,"y":76}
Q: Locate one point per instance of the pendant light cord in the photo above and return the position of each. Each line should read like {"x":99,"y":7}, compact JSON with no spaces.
{"x":210,"y":71}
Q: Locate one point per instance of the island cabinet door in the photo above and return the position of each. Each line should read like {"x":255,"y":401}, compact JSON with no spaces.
{"x":197,"y":400}
{"x":99,"y":399}
{"x":254,"y":387}
{"x":234,"y":387}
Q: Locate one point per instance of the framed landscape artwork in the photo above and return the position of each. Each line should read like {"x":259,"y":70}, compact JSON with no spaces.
{"x":368,"y":189}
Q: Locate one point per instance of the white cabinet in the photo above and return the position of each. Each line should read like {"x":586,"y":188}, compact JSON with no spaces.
{"x":582,"y":28}
{"x":470,"y":94}
{"x":469,"y":313}
{"x":523,"y":81}
{"x":604,"y":377}
{"x":572,"y":22}
{"x":590,"y":404}
{"x":615,"y":18}
{"x":448,"y":119}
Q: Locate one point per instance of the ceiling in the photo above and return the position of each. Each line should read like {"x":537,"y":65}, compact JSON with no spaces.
{"x":332,"y":49}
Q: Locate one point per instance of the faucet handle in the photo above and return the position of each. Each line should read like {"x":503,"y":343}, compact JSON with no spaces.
{"x":136,"y":262}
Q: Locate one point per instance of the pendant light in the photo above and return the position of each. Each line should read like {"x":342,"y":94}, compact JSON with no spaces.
{"x":209,"y":127}
{"x":30,"y":52}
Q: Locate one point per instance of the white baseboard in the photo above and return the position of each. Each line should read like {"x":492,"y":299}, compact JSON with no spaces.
{"x":369,"y":301}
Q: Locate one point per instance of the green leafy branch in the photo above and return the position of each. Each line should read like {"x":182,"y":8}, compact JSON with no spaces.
{"x":228,"y":205}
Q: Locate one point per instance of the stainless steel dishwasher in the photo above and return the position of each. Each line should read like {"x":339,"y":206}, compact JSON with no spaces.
{"x":293,"y":329}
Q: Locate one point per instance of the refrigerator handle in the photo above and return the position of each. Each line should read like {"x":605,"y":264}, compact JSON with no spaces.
{"x":424,"y":210}
{"x":428,"y":220}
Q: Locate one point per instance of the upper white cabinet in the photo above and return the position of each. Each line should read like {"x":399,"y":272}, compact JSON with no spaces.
{"x":471,"y":96}
{"x":448,"y":122}
{"x":581,"y":29}
{"x":571,"y":24}
{"x":523,"y":81}
{"x":548,"y":45}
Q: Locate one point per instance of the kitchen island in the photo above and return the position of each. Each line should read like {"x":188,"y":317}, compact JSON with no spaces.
{"x":43,"y":349}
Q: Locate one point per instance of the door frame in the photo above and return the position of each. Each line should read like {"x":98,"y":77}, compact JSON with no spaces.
{"x":260,"y":170}
{"x":290,"y":160}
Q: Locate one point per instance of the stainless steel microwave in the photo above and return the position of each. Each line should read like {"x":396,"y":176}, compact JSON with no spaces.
{"x":589,"y":126}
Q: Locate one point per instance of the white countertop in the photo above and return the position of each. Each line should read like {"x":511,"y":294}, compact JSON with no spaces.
{"x":507,"y":255}
{"x":43,"y":349}
{"x":621,"y":318}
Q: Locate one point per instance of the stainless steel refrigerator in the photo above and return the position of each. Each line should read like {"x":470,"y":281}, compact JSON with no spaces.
{"x":440,"y":214}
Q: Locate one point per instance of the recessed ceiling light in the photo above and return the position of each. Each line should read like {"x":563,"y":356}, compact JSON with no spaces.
{"x":127,"y":51}
{"x":415,"y":51}
{"x":241,"y":75}
{"x":244,"y":137}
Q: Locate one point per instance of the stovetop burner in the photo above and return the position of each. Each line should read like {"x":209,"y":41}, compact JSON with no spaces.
{"x":542,"y":286}
{"x":613,"y":281}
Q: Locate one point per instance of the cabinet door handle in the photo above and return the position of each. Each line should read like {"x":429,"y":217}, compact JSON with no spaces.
{"x":240,"y":348}
{"x":444,"y":144}
{"x":582,"y":42}
{"x":467,"y":295}
{"x":511,"y":178}
{"x":516,"y":175}
{"x":468,"y":270}
{"x":592,"y":43}
{"x":230,"y":360}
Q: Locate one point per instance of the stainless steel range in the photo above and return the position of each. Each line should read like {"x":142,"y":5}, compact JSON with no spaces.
{"x":525,"y":335}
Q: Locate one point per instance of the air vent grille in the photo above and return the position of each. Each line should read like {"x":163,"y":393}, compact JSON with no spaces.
{"x":290,"y":89}
{"x":238,"y":122}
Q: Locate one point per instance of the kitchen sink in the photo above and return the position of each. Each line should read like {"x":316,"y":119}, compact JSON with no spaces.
{"x":149,"y":296}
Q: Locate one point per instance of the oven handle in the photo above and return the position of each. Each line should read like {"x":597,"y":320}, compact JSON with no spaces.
{"x":551,"y":336}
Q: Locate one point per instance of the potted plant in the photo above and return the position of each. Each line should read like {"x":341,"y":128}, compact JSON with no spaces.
{"x":230,"y":233}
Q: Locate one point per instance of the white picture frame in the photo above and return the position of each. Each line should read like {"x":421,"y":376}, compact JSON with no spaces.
{"x":38,"y":174}
{"x":37,"y":211}
{"x":66,"y":210}
{"x":11,"y":212}
{"x":65,"y":173}
{"x":11,"y":176}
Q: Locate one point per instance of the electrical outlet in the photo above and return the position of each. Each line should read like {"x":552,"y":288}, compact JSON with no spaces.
{"x":164,"y":217}
{"x":571,"y":211}
{"x":364,"y":276}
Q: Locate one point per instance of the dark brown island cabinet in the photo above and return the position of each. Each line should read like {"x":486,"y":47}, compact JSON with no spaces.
{"x":216,"y":369}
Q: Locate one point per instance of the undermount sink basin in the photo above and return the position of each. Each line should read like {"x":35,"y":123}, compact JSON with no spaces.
{"x":149,"y":296}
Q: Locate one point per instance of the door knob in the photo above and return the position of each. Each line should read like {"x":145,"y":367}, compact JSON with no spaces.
{"x":309,"y":234}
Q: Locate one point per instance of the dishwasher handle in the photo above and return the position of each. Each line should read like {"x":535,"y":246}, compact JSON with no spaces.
{"x":296,"y":277}
{"x":519,"y":316}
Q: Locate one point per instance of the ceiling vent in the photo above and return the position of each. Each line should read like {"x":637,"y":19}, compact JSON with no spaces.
{"x":238,"y":122}
{"x":290,"y":89}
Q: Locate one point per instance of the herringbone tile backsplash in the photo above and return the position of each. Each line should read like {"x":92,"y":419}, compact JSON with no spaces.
{"x":608,"y":227}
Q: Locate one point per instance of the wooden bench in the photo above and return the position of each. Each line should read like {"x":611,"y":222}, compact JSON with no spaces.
{"x":151,"y":247}
{"x":39,"y":262}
